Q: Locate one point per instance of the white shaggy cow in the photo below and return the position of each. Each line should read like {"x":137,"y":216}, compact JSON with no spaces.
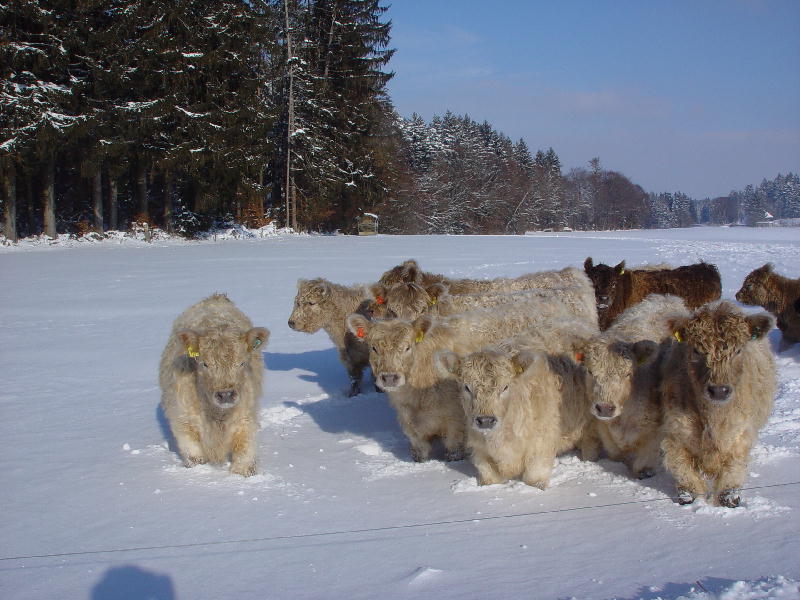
{"x":321,"y":304}
{"x":401,"y":355}
{"x":409,"y":272}
{"x":623,"y":363}
{"x":523,"y":407}
{"x":210,"y":375}
{"x":410,"y":300}
{"x":718,"y":385}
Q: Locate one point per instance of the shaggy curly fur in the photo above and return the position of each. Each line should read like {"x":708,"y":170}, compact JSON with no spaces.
{"x":777,"y":294}
{"x":718,"y":385}
{"x":210,"y":376}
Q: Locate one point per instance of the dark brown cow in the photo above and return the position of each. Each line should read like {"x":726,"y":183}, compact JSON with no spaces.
{"x":617,"y":288}
{"x":779,"y":295}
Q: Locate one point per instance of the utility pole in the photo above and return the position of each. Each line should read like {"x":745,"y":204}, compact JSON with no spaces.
{"x":291,"y":206}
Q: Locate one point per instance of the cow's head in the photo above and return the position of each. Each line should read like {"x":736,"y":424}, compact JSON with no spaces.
{"x":391,"y":346}
{"x":755,"y":288}
{"x":487,"y":380}
{"x":406,"y":272}
{"x":403,"y":300}
{"x":223,"y":360}
{"x":612,"y":363}
{"x":713,"y":344}
{"x":309,"y":312}
{"x":605,"y":280}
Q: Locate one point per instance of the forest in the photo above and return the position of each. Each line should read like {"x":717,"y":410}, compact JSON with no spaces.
{"x":194,"y":114}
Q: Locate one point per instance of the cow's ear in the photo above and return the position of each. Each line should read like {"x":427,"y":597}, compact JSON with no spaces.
{"x":797,"y":305}
{"x":677,"y":325}
{"x":256,"y":337}
{"x":523,"y":361}
{"x":422,"y":325}
{"x":620,"y":268}
{"x":588,"y":264}
{"x":411,"y":272}
{"x":448,"y":364}
{"x":377,"y":291}
{"x":190,"y":340}
{"x":767,"y":268}
{"x":643,"y":350}
{"x":323,"y":288}
{"x":760,"y":324}
{"x":579,"y":350}
{"x":436,"y":290}
{"x":358,"y":325}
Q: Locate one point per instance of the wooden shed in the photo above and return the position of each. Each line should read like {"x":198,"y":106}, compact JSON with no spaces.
{"x":367,"y":224}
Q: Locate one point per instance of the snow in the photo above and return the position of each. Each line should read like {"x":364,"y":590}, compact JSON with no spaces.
{"x":96,"y":504}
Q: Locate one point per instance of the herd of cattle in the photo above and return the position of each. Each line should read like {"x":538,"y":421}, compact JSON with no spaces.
{"x":645,"y":366}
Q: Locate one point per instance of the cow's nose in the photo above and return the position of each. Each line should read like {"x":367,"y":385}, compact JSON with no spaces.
{"x":291,"y":323}
{"x":389,"y":379}
{"x":719,"y":393}
{"x":604,"y":410}
{"x":485,"y":422}
{"x":225,"y":397}
{"x":603,"y":299}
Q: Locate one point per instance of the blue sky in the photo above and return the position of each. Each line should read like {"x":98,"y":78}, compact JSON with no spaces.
{"x":701,"y":97}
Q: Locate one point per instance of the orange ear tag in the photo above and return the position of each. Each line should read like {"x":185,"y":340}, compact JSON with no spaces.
{"x":360,"y":332}
{"x":380,"y":300}
{"x":579,"y":356}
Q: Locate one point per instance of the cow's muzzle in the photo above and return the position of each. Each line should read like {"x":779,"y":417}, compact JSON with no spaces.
{"x":225,"y":398}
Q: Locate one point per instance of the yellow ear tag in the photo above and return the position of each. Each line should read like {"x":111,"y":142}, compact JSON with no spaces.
{"x":622,"y":272}
{"x":432,"y":301}
{"x":677,"y":336}
{"x":420,"y":337}
{"x":192,"y":352}
{"x":518,"y":370}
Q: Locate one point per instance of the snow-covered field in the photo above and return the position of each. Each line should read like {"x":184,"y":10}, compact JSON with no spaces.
{"x":95,"y":504}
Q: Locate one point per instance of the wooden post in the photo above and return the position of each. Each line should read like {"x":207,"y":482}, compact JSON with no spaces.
{"x":97,"y":199}
{"x":49,"y":196}
{"x":10,"y":210}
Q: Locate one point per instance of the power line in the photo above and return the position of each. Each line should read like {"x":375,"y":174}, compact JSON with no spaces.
{"x":365,"y":530}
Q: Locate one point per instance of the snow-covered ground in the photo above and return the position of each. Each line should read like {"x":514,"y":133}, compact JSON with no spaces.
{"x":95,"y":504}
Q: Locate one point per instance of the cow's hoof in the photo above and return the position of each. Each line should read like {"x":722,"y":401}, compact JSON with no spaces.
{"x":418,"y":455}
{"x":192,"y":461}
{"x":454,"y":454}
{"x":646,"y":473}
{"x":729,"y":498}
{"x":247,"y":470}
{"x":685,"y":497}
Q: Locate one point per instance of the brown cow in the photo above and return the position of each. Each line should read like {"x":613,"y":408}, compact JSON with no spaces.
{"x":778,"y":295}
{"x":617,"y":288}
{"x":717,"y":388}
{"x":210,"y":375}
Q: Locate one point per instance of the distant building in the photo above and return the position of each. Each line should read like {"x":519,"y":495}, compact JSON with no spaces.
{"x":367,"y":224}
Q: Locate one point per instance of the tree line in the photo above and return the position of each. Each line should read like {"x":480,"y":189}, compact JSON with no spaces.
{"x":183,"y":115}
{"x":177,"y":114}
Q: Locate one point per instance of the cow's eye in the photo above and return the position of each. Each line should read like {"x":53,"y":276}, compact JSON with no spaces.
{"x":466,"y":389}
{"x":204,"y":364}
{"x":310,"y":303}
{"x":408,"y":349}
{"x":505,"y":389}
{"x":242,"y":364}
{"x":374,"y":349}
